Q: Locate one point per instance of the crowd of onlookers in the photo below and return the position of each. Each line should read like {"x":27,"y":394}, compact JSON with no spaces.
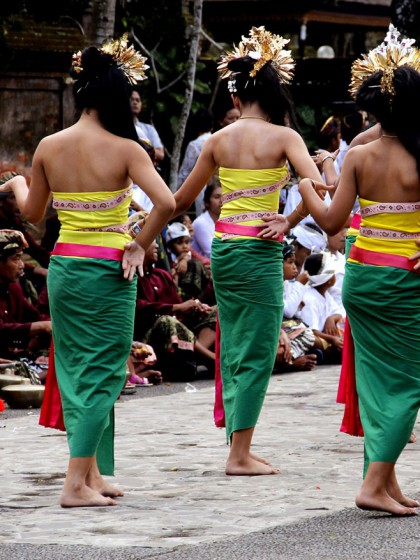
{"x":176,"y":311}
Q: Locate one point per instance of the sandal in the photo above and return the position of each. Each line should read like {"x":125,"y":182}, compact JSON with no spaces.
{"x":138,"y":381}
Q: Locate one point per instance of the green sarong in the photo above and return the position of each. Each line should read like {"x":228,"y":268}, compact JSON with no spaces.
{"x":248,"y":282}
{"x":92,"y":311}
{"x":383,"y":307}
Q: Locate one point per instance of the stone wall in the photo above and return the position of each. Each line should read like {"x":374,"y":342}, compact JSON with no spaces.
{"x":31,"y":106}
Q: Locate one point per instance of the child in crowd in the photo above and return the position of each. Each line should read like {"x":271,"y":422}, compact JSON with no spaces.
{"x":189,"y":274}
{"x":320,"y":312}
{"x":300,"y":338}
{"x":336,"y":244}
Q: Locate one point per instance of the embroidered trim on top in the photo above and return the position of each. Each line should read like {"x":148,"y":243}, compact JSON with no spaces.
{"x":387,"y":233}
{"x":390,"y":207}
{"x":89,"y":206}
{"x":247,"y":217}
{"x":256,"y":191}
{"x":120,"y":228}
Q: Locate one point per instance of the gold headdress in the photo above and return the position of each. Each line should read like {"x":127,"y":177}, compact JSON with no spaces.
{"x":386,"y":58}
{"x":262,"y":46}
{"x":131,"y":62}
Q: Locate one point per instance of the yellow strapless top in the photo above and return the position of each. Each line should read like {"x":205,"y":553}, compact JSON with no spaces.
{"x":250,"y":194}
{"x":390,"y":228}
{"x":94,"y":218}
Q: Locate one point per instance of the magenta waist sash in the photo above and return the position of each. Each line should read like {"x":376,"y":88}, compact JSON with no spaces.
{"x":355,"y":221}
{"x":381,"y":259}
{"x":238,"y":229}
{"x":87,"y":251}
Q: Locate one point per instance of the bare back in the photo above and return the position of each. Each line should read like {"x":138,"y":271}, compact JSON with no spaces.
{"x":250,"y":144}
{"x":85,"y":158}
{"x":386,"y":172}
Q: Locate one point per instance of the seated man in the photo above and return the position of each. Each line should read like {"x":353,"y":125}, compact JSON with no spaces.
{"x":161,"y":319}
{"x":24,"y":331}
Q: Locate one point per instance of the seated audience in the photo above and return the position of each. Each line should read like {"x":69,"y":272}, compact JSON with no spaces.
{"x":177,"y":330}
{"x":295,"y":334}
{"x":189,"y":274}
{"x":24,"y":331}
{"x":320,"y":312}
{"x":140,"y":362}
{"x":307,"y":239}
{"x":10,"y":218}
{"x":204,"y":224}
{"x":335,"y":247}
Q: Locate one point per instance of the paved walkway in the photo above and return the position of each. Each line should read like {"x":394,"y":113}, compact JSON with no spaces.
{"x":169,"y":461}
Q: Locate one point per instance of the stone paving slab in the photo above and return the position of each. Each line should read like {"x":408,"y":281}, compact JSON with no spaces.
{"x":170,"y":460}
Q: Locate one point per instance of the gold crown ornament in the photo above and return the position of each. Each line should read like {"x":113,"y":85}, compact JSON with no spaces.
{"x":131,"y":62}
{"x":263,"y":46}
{"x":386,"y":58}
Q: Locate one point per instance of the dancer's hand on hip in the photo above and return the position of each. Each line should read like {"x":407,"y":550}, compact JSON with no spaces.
{"x":275,"y":226}
{"x":133,"y":260}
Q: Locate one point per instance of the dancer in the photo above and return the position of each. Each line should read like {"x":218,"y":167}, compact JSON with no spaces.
{"x":381,"y":290}
{"x":246,"y":257}
{"x":89,"y":169}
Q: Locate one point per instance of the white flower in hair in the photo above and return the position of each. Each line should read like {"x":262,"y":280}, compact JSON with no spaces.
{"x":256,"y":55}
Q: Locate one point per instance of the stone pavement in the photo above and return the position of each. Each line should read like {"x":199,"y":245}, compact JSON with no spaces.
{"x":170,"y":460}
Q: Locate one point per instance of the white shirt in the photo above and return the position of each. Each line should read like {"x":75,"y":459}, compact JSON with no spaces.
{"x":340,"y":263}
{"x":149,"y":132}
{"x":293,"y":293}
{"x":190,"y":159}
{"x":142,"y":199}
{"x":317,"y":309}
{"x":293,"y":199}
{"x":203,"y":234}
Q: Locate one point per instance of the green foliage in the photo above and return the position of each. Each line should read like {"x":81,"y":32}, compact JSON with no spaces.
{"x":162,"y":29}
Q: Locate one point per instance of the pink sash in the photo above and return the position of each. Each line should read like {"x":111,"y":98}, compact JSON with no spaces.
{"x":88,"y":251}
{"x":355,"y":221}
{"x":381,"y":259}
{"x":238,"y":229}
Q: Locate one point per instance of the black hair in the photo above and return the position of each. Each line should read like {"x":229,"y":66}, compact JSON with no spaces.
{"x":212,"y":186}
{"x":328,"y":132}
{"x":313,"y":263}
{"x":351,"y":126}
{"x":314,"y":227}
{"x":202,"y":120}
{"x":288,"y":251}
{"x":398,"y":114}
{"x":103,"y":86}
{"x":273,"y":97}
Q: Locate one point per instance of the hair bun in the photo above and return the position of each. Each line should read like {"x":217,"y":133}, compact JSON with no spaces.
{"x":94,"y":62}
{"x":242,"y":64}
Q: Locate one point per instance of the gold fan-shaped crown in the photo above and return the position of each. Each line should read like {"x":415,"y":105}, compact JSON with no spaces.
{"x":263,"y":47}
{"x":131,"y":62}
{"x":386,"y":58}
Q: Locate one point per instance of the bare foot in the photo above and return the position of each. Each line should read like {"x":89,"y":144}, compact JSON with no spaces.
{"x":259,"y":459}
{"x":249,"y":467}
{"x":394,"y":491}
{"x":84,"y":497}
{"x":98,"y":484}
{"x":305,"y":363}
{"x":383,"y":502}
{"x":412,"y":438}
{"x":153,"y":376}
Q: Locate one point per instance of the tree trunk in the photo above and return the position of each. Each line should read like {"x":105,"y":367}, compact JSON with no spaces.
{"x":189,"y":92}
{"x":99,"y":21}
